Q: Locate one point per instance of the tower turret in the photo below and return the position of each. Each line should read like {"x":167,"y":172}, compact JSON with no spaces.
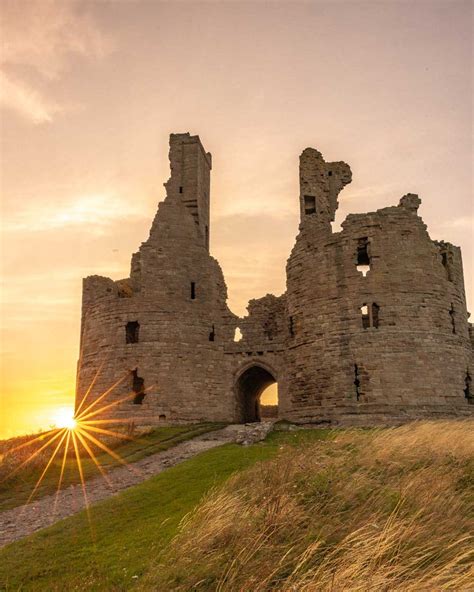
{"x":320,"y":184}
{"x":191,"y":178}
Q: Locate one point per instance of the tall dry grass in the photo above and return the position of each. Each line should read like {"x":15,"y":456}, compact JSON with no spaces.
{"x":388,"y":510}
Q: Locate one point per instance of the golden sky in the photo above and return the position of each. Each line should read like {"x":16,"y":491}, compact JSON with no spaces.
{"x":91,"y":90}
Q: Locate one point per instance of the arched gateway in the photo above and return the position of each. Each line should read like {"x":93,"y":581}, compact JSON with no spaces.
{"x":250,"y":384}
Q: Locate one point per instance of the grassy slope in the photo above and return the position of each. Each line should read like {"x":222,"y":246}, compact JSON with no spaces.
{"x":15,"y":491}
{"x":384,"y":510}
{"x":129,"y":529}
{"x":369,"y":510}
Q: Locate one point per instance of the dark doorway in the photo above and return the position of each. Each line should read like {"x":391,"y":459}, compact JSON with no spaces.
{"x":250,"y":385}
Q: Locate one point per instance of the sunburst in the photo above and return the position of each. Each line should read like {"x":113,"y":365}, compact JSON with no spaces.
{"x":78,"y":433}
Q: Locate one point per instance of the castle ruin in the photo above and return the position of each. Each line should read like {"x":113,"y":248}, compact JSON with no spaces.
{"x":372,"y":328}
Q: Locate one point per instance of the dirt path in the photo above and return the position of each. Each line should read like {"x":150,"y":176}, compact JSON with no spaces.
{"x":24,"y":520}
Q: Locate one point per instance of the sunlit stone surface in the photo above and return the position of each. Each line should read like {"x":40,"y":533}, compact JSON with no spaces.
{"x":373,"y":327}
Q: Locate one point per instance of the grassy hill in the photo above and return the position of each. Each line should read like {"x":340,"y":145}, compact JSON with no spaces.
{"x":308,"y":510}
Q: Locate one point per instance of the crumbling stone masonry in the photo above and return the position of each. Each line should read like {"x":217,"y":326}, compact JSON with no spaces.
{"x":373,"y":327}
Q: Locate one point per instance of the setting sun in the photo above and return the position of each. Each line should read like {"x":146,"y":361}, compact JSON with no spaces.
{"x":64,"y":418}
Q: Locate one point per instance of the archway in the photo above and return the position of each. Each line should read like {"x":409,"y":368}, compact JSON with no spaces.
{"x":250,"y":385}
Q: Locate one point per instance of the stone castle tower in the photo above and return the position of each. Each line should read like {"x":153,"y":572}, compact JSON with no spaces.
{"x":373,"y":327}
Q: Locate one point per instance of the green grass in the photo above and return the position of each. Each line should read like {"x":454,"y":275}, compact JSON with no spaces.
{"x":382,"y":509}
{"x":129,"y":529}
{"x":16,"y":491}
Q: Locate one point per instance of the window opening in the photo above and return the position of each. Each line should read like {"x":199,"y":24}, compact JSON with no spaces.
{"x":363,"y":258}
{"x":138,"y":387}
{"x":452,"y":314}
{"x":292,"y":327}
{"x":375,"y":315}
{"x":357,"y":382}
{"x":309,"y":205}
{"x":364,"y":309}
{"x":238,"y":334}
{"x":370,"y":315}
{"x":132,"y":331}
{"x":362,"y":251}
{"x":212,"y":334}
{"x":181,"y":190}
{"x":467,"y":389}
{"x":193,"y":290}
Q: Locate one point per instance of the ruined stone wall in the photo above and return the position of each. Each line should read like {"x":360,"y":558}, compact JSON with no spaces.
{"x":372,"y":329}
{"x":258,"y":358}
{"x":177,"y":295}
{"x":409,"y":354}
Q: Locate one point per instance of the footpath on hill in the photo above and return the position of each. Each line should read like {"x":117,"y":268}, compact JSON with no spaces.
{"x":24,"y":520}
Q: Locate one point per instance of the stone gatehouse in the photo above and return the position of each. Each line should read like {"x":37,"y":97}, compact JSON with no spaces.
{"x":372,"y":328}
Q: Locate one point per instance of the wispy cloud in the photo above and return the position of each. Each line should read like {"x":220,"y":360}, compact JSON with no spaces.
{"x":26,"y":101}
{"x":39,"y":38}
{"x":97,"y":212}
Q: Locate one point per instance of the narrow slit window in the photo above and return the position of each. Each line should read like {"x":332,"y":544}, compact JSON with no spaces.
{"x":357,"y":382}
{"x":292,"y":327}
{"x":452,"y":314}
{"x":212,"y":334}
{"x":370,"y":315}
{"x":363,"y":258}
{"x":309,"y":205}
{"x":468,"y":389}
{"x":375,"y":315}
{"x":138,"y":387}
{"x":238,"y":334}
{"x":132,"y":332}
{"x":181,"y":190}
{"x":193,"y":290}
{"x":364,"y":310}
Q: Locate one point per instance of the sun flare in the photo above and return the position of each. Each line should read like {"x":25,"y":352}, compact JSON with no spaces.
{"x":76,"y":431}
{"x":64,"y":418}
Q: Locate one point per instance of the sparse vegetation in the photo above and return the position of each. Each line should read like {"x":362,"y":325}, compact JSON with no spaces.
{"x":17,"y":485}
{"x":376,"y":510}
